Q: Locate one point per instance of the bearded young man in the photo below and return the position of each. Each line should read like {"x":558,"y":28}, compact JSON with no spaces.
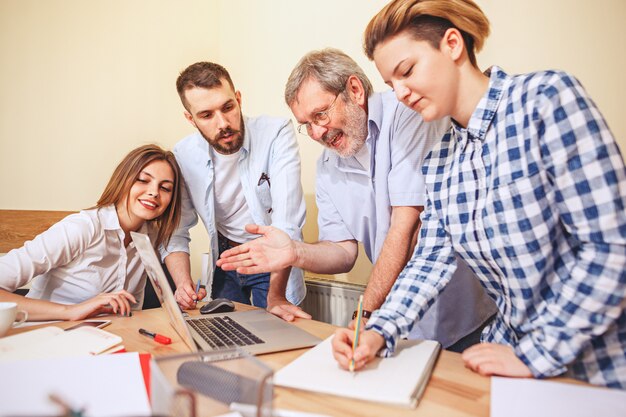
{"x":370,"y":190}
{"x":237,"y":170}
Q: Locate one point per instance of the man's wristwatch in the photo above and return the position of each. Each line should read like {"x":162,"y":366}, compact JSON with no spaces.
{"x":366,"y":314}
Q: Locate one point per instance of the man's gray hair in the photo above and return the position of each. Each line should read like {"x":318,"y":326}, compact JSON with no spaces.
{"x":330,"y":67}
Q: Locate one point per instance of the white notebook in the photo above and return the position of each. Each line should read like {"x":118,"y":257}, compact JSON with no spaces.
{"x":399,"y":380}
{"x":54,"y":342}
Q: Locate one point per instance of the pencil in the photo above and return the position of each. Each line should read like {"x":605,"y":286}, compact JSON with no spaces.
{"x":197,"y":286}
{"x":357,"y":330}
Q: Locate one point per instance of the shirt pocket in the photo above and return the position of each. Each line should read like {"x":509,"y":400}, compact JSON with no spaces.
{"x":264,"y":195}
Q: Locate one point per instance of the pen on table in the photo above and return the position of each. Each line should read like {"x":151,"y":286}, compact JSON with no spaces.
{"x":157,"y":337}
{"x":357,"y":331}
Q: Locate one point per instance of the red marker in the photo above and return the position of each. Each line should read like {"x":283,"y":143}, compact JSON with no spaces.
{"x":157,"y":337}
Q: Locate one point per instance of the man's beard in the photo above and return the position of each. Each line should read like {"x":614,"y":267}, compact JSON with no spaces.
{"x":354,"y":131}
{"x":227,"y":148}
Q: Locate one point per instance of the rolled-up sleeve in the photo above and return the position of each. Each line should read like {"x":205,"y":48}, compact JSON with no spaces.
{"x":412,"y":138}
{"x":179,"y":242}
{"x":331,"y":225}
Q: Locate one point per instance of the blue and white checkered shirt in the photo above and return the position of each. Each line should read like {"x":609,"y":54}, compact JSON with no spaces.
{"x":532,"y":195}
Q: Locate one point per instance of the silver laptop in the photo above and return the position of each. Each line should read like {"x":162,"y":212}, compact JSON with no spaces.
{"x":255,"y":331}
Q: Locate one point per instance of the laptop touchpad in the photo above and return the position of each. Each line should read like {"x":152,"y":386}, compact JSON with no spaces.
{"x":264,"y":325}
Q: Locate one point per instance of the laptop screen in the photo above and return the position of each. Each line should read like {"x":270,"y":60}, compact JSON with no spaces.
{"x":162,"y":287}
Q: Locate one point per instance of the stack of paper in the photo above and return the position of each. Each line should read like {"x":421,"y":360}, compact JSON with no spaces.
{"x":398,"y":380}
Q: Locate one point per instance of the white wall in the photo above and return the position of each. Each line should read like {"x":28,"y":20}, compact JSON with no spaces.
{"x":83,"y":82}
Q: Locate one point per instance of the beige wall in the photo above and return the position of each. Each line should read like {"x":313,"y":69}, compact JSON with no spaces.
{"x":83,"y":82}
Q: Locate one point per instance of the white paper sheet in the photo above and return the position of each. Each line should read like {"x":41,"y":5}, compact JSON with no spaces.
{"x":390,"y":380}
{"x":514,"y":397}
{"x":105,"y":386}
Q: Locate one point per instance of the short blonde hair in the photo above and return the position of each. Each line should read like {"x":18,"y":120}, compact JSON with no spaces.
{"x":428,"y":20}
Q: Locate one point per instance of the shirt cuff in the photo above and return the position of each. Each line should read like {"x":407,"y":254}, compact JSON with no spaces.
{"x":538,"y":360}
{"x":387,"y":330}
{"x":175,"y":245}
{"x":334,"y":236}
{"x":407,"y":199}
{"x":294,"y":232}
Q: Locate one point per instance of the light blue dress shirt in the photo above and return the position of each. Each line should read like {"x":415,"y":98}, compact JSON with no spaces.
{"x":356,"y":205}
{"x":269,"y":148}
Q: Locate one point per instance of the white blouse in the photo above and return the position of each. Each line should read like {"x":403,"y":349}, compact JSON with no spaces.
{"x":76,"y":259}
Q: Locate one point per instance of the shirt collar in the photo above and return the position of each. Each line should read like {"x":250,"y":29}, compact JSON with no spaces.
{"x":246,"y":139}
{"x":108,"y":218}
{"x":110,"y":221}
{"x":483,"y":115}
{"x":374,"y":115}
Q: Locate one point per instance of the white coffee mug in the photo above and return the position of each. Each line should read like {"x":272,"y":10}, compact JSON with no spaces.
{"x":8,"y":313}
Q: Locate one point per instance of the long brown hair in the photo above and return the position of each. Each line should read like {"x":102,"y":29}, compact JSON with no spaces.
{"x":125,"y":175}
{"x":428,"y":20}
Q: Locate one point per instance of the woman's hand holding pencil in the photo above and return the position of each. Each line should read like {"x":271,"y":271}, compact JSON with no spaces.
{"x":369,"y":344}
{"x":357,"y":330}
{"x":352,"y":349}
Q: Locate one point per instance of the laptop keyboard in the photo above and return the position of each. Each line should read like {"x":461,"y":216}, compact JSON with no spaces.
{"x":223,"y":332}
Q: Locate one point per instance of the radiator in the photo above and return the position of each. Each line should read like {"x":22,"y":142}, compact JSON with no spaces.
{"x":331,"y":301}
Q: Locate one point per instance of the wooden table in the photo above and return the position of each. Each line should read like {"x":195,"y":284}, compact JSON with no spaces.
{"x":452,"y":391}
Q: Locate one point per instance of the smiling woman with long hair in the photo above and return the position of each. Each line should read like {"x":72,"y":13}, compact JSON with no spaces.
{"x":86,"y":264}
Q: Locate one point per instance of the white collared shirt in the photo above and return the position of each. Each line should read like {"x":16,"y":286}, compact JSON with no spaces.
{"x":269,"y":171}
{"x":78,"y":258}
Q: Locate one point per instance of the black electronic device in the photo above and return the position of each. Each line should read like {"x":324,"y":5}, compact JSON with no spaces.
{"x":219,"y":305}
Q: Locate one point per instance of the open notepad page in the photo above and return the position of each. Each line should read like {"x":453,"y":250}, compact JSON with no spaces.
{"x":103,"y":386}
{"x":399,"y":380}
{"x":54,"y":342}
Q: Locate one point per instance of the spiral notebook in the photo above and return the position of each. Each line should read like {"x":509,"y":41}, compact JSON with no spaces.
{"x":399,"y":380}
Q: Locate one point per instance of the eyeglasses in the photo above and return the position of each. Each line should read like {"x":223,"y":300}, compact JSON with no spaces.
{"x":321,"y":118}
